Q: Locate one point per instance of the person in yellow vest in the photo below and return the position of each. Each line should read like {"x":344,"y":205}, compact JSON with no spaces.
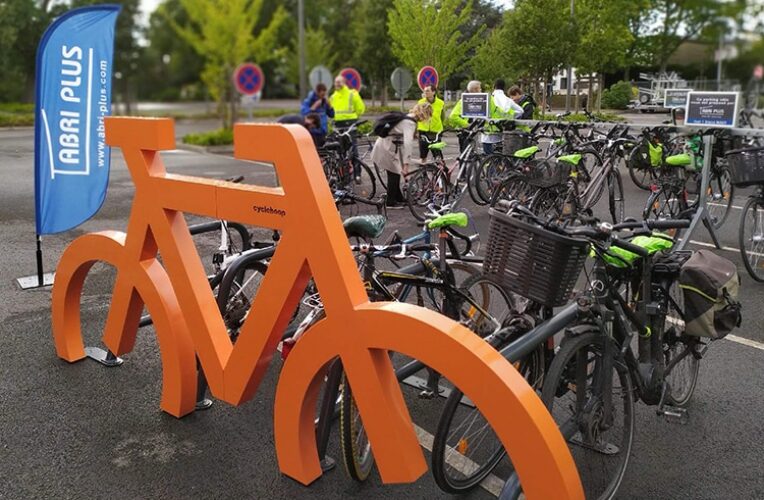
{"x":348,"y":107}
{"x":430,"y":130}
{"x":455,"y":118}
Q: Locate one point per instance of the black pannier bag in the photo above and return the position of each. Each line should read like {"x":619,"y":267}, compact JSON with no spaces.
{"x":710,"y":287}
{"x":388,"y":121}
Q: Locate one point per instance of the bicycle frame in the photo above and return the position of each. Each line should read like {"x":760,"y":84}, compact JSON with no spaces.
{"x":178,"y":295}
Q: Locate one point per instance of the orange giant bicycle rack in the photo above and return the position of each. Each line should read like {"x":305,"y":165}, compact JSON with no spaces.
{"x":313,"y":244}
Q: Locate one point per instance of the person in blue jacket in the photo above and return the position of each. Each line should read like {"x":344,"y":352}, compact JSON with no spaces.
{"x":317,"y":103}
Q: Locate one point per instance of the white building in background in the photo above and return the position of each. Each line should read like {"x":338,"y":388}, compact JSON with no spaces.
{"x":560,"y":82}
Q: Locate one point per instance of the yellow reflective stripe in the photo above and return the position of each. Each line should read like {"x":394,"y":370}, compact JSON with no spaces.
{"x":699,"y":292}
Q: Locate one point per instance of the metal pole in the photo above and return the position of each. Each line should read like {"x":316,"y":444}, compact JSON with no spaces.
{"x":301,"y":45}
{"x":40,"y":280}
{"x":720,"y":56}
{"x":570,"y":67}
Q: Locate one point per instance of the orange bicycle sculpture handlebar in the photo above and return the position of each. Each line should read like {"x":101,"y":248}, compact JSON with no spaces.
{"x":313,"y":244}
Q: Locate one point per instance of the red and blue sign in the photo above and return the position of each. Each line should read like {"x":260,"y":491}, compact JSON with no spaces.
{"x":427,"y":76}
{"x":352,"y":78}
{"x":248,"y":79}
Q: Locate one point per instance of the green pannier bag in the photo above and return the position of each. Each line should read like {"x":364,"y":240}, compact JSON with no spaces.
{"x":710,"y":287}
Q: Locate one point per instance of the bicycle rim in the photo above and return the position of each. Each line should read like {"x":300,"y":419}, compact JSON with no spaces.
{"x":719,"y":197}
{"x":241,"y":296}
{"x":600,"y":444}
{"x":465,"y":448}
{"x":428,"y":186}
{"x":682,"y":366}
{"x":751,"y":238}
{"x":356,"y":449}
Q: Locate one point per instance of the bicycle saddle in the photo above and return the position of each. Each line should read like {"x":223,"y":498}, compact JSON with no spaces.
{"x":573,"y":159}
{"x":458,"y":219}
{"x":438,"y":146}
{"x":364,"y":226}
{"x":526,"y":152}
{"x":680,"y":160}
{"x":332,"y":146}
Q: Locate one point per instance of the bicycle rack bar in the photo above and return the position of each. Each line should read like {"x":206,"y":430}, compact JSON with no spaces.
{"x":106,"y":358}
{"x":202,"y":401}
{"x":701,"y":215}
{"x":208,"y":227}
{"x":525,"y":345}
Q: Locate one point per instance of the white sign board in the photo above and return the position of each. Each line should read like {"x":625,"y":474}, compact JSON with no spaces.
{"x":476,"y":105}
{"x":712,"y":109}
{"x":320,"y":74}
{"x":675,"y":98}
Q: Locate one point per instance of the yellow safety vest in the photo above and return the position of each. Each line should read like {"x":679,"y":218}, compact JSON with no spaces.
{"x":347,"y":104}
{"x":434,"y":124}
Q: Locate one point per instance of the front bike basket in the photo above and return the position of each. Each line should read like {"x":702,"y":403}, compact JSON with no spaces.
{"x":547,"y":173}
{"x":532,"y":261}
{"x":746,"y":166}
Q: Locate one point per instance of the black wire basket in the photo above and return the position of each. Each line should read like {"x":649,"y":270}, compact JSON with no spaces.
{"x":746,"y":166}
{"x":531,"y":261}
{"x":515,"y":140}
{"x":547,"y":173}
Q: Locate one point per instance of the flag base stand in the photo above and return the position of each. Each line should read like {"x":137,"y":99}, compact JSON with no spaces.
{"x":106,"y":358}
{"x":30,"y":282}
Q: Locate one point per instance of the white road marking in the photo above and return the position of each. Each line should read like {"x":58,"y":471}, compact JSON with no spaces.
{"x":745,"y":341}
{"x":491,"y":484}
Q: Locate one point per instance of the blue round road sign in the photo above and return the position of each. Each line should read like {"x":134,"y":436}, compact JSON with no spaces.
{"x":352,"y":78}
{"x":248,"y":79}
{"x":427,"y":76}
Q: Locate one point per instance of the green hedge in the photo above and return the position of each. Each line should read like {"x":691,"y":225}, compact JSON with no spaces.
{"x":608,"y":117}
{"x":617,"y":96}
{"x":16,"y":119}
{"x":220,"y":137}
{"x":16,"y":107}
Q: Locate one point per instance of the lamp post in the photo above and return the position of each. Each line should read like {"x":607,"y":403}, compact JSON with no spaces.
{"x":570,"y":65}
{"x":301,"y":45}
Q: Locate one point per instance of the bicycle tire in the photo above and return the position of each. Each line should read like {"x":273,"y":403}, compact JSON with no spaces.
{"x":471,"y":174}
{"x":666,"y":203}
{"x":489,"y":174}
{"x":356,"y":449}
{"x":368,"y":187}
{"x":643,"y":178}
{"x":450,"y":477}
{"x":682,"y":367}
{"x":241,"y":295}
{"x":616,"y":199}
{"x":752,"y":246}
{"x":427,"y":186}
{"x":380,"y":177}
{"x":720,"y":195}
{"x":561,"y":380}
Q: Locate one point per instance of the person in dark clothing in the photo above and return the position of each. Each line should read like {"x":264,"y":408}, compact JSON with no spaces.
{"x":317,"y":103}
{"x":525,"y":101}
{"x":312,"y":122}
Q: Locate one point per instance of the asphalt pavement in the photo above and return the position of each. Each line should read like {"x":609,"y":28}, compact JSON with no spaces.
{"x":81,"y":430}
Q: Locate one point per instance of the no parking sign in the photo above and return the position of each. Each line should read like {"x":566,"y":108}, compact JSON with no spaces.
{"x":427,"y":76}
{"x":248,"y":78}
{"x":352,"y":78}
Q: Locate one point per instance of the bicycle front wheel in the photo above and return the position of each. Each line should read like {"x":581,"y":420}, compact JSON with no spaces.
{"x":365,"y":183}
{"x":356,"y":450}
{"x":751,"y":237}
{"x":589,"y":394}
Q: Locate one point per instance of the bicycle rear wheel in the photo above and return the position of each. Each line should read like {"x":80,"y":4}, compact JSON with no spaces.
{"x":643,"y":178}
{"x":751,"y":237}
{"x":356,"y":449}
{"x":465,"y":448}
{"x":427,"y":188}
{"x":366,"y":186}
{"x":682,"y":366}
{"x":576,"y":389}
{"x":616,"y":200}
{"x":719,"y":195}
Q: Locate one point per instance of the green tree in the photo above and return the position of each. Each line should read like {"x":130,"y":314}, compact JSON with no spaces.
{"x":529,"y":54}
{"x":428,"y":32}
{"x":373,"y":53}
{"x":604,"y":37}
{"x":224,"y":33}
{"x":318,"y":50}
{"x":674,"y":22}
{"x":170,"y":66}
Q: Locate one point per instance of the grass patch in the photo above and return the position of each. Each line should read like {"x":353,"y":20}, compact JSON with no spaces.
{"x":219,"y":137}
{"x":16,"y":114}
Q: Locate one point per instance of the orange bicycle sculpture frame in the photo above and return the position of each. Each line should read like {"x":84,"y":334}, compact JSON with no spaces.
{"x":188,"y":322}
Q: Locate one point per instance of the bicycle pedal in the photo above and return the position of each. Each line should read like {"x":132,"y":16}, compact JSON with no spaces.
{"x":675,"y":414}
{"x":426,"y":394}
